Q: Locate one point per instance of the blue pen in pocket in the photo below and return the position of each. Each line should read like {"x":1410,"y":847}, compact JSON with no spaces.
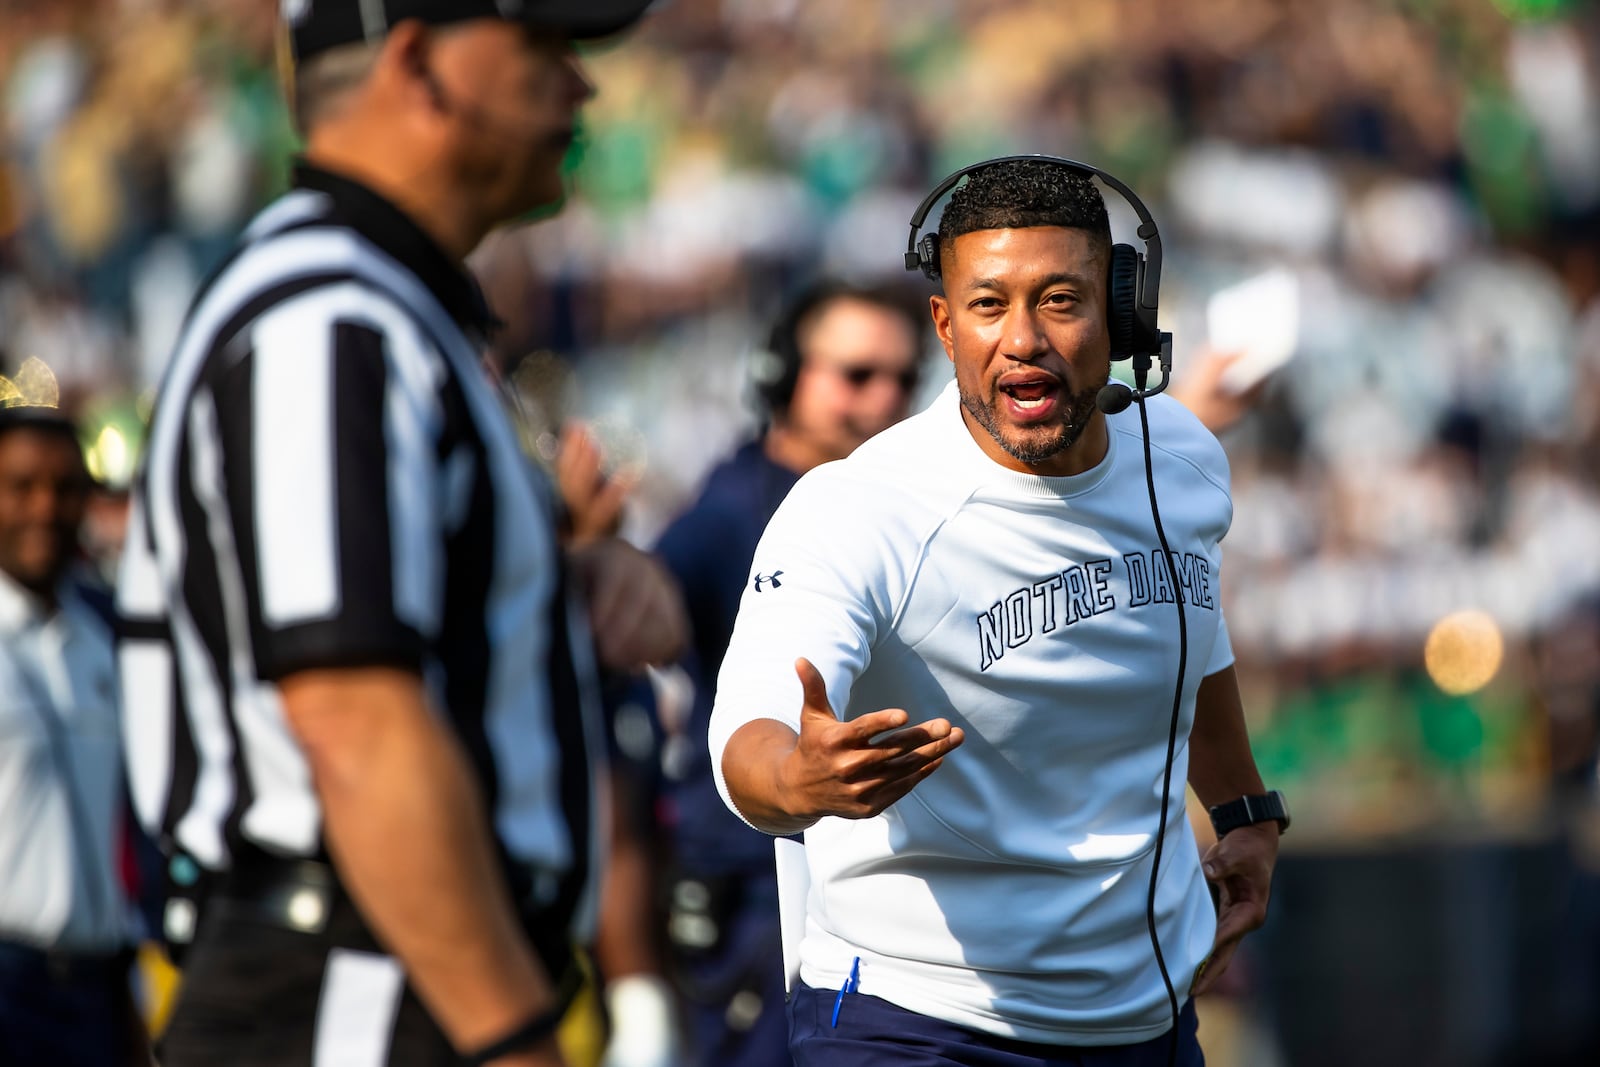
{"x":849,"y":986}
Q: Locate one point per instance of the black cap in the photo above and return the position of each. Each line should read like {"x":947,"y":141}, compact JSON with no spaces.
{"x":36,"y":417}
{"x":318,"y":25}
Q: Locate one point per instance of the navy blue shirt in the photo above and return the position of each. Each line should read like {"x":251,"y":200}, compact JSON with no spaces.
{"x":709,"y":549}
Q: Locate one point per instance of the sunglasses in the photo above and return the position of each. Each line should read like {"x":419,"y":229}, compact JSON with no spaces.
{"x":859,"y":375}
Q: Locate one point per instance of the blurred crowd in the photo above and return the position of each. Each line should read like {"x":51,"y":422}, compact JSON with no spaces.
{"x":1427,"y":171}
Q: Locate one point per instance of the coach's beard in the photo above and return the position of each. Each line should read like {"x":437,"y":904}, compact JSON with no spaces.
{"x":1035,"y":444}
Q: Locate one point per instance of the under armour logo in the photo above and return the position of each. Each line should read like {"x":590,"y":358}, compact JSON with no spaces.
{"x":768,"y":579}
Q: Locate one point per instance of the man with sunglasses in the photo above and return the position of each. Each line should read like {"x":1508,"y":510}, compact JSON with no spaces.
{"x":841,"y":364}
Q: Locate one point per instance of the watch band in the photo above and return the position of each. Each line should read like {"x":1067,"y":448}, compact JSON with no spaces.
{"x":534,"y":1030}
{"x":1249,"y":810}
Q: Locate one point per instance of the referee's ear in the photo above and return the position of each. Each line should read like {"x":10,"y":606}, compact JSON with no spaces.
{"x":405,"y":68}
{"x":330,"y":85}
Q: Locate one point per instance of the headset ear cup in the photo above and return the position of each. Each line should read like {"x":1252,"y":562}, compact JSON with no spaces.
{"x":928,"y":251}
{"x":768,"y":374}
{"x":776,"y":369}
{"x":1122,"y":297}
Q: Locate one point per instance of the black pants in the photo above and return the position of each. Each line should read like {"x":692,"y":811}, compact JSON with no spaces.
{"x":58,"y":1011}
{"x":258,"y":994}
{"x":733,"y":988}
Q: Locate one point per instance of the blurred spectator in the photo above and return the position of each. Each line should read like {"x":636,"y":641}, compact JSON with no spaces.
{"x":65,"y":925}
{"x":841,"y":364}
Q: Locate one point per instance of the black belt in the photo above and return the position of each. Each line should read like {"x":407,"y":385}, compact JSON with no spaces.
{"x":288,"y":893}
{"x":72,"y":968}
{"x":300,"y":894}
{"x":304,"y":895}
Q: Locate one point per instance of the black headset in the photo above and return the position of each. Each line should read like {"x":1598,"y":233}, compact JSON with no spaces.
{"x":1134,"y":287}
{"x":1133,"y":292}
{"x":777,"y":370}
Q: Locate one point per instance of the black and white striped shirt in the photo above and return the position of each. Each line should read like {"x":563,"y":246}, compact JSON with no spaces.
{"x":332,"y":482}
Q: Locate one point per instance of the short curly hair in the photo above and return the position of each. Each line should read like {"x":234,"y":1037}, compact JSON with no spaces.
{"x":1026,"y":192}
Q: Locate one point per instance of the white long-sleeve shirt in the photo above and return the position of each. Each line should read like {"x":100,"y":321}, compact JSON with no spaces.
{"x":60,"y":776}
{"x":1007,"y":892}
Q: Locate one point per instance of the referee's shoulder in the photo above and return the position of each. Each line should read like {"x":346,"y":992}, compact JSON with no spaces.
{"x":346,"y":306}
{"x":301,"y":243}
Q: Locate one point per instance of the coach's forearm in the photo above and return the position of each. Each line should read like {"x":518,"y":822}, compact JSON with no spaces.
{"x":752,"y":765}
{"x":1221,"y":765}
{"x":407,"y":830}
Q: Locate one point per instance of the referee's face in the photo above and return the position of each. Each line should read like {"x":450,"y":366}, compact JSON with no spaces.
{"x":1023,"y":318}
{"x":43,"y":491}
{"x":514,"y":94}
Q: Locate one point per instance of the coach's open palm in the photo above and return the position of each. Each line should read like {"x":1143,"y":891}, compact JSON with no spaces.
{"x":846,"y":768}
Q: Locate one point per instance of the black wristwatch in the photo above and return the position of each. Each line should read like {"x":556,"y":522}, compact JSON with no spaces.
{"x":1249,"y":810}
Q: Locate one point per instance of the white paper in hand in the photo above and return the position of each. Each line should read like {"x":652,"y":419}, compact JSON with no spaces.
{"x":1259,"y":319}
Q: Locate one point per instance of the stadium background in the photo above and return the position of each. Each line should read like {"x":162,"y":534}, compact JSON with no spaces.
{"x":1427,"y":170}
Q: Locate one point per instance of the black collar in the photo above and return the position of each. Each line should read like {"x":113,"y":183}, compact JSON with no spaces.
{"x":385,"y":225}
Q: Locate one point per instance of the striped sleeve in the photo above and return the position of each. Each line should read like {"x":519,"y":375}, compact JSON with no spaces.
{"x":329,"y":425}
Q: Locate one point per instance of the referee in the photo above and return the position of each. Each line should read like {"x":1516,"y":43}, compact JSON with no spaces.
{"x":358,"y":693}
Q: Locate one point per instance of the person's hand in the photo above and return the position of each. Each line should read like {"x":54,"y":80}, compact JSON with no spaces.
{"x":644,"y":1030}
{"x":1240,"y":867}
{"x":838,"y":768}
{"x":1203,"y":391}
{"x":635,"y":607}
{"x":594,"y":500}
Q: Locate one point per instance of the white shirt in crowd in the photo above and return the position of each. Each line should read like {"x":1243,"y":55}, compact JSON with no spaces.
{"x":61,"y":792}
{"x":1007,"y":892}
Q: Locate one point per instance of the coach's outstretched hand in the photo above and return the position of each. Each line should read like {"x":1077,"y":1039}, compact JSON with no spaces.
{"x":846,"y":768}
{"x":783,"y":782}
{"x":1240,"y":866}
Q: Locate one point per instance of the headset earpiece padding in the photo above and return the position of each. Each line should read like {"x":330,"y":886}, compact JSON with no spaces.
{"x":1122,"y":296}
{"x":776,"y":371}
{"x":928,"y":250}
{"x":1134,"y":277}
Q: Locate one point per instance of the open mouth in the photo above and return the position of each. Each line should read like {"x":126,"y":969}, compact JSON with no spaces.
{"x":1030,"y":400}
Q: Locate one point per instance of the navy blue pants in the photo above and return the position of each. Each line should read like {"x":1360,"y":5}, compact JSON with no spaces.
{"x":52,"y":1020}
{"x":734,"y":993}
{"x":874,"y":1033}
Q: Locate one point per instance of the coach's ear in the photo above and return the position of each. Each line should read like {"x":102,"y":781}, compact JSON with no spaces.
{"x":939,"y":308}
